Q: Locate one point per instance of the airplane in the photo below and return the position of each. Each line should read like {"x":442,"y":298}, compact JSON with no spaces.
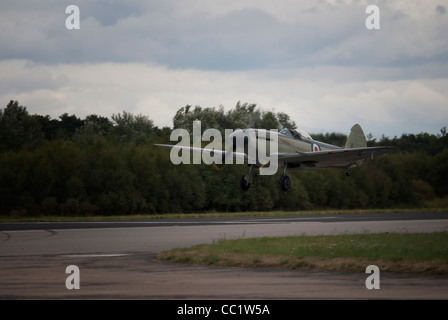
{"x":297,"y":150}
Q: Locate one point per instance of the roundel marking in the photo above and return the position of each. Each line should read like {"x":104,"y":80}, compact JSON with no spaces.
{"x":315,"y":147}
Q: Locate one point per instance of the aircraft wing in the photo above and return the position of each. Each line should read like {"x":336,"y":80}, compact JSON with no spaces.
{"x":221,"y":153}
{"x":336,"y":158}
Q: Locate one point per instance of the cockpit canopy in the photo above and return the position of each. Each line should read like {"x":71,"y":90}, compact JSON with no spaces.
{"x":297,"y":134}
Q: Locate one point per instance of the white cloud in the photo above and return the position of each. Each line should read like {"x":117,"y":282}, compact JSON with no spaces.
{"x":314,"y":60}
{"x":384,"y":107}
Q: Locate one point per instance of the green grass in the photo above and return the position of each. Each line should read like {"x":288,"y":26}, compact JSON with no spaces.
{"x":391,"y":252}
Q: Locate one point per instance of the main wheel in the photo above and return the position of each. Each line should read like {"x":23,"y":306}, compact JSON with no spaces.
{"x":244,"y":184}
{"x":285,"y":183}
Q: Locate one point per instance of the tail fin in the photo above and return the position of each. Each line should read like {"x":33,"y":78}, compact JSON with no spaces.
{"x":356,"y":139}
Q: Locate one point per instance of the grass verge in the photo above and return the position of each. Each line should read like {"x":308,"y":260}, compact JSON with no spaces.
{"x":12,"y":218}
{"x":392,"y":252}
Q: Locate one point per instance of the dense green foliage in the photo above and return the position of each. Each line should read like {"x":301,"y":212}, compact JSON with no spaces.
{"x":71,"y":166}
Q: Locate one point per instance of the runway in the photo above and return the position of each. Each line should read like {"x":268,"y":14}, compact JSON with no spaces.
{"x":117,"y":260}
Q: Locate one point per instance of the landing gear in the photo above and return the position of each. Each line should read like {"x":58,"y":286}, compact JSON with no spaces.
{"x":285,"y":183}
{"x":244,"y":184}
{"x":247,"y":179}
{"x":284,"y":180}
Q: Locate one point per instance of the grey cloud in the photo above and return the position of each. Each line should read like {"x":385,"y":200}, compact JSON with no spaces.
{"x":251,"y":38}
{"x":109,"y":13}
{"x":440,"y":9}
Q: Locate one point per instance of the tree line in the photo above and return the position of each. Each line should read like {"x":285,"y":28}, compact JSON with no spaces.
{"x":99,"y":166}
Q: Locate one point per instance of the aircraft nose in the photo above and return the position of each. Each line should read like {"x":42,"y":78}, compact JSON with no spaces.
{"x":240,"y":141}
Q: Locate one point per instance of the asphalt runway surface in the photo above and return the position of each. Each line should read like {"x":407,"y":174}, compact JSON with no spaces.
{"x":117,"y":260}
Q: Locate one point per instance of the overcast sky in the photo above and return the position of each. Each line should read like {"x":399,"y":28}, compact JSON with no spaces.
{"x":314,"y":60}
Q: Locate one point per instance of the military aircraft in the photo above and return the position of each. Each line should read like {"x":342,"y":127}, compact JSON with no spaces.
{"x":296,"y":150}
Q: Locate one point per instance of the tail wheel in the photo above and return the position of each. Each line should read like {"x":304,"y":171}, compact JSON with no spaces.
{"x":244,"y":184}
{"x":285,"y":183}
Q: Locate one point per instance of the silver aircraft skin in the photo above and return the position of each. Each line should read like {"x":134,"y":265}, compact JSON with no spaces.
{"x":296,"y":150}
